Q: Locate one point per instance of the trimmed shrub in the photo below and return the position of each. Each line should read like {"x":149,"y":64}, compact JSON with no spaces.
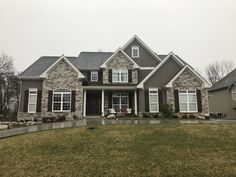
{"x":184,"y":116}
{"x":167,"y":110}
{"x":192,"y":116}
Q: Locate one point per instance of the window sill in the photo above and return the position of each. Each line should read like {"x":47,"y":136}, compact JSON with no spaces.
{"x":62,"y":111}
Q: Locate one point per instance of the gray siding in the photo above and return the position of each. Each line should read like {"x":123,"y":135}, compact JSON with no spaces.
{"x":25,"y":85}
{"x":145,"y":58}
{"x":167,"y":71}
{"x":221,"y":101}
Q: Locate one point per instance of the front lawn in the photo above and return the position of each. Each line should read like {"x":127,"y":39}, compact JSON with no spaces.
{"x":167,"y":149}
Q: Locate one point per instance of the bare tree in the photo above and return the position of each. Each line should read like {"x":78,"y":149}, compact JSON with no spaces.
{"x":6,"y":64}
{"x":218,"y":69}
{"x":9,"y":86}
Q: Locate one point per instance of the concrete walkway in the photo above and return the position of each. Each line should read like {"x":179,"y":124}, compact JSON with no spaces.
{"x":99,"y":121}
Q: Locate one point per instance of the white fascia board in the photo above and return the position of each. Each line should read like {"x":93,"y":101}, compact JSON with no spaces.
{"x":29,"y":77}
{"x":147,"y":68}
{"x":144,"y":45}
{"x":233,"y":83}
{"x":119,"y":50}
{"x":140,"y":85}
{"x":170,"y":84}
{"x":45,"y":73}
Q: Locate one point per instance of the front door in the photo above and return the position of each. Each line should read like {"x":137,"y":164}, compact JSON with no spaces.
{"x":93,"y":103}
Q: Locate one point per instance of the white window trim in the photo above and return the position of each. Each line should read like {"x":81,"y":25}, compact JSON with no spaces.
{"x":187,"y":94}
{"x":234,"y":95}
{"x":35,"y":94}
{"x":157,"y":101}
{"x":135,"y":48}
{"x":93,"y":73}
{"x":119,"y":71}
{"x":120,"y":96}
{"x":61,"y":110}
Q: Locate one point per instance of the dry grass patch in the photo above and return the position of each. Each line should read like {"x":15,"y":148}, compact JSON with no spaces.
{"x":127,"y":150}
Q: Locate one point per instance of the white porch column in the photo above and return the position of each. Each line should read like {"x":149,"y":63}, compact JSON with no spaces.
{"x":135,"y":103}
{"x":102,"y":102}
{"x":84,"y":106}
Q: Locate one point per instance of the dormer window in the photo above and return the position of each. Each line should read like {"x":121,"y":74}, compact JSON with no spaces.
{"x":135,"y":51}
{"x":94,"y":76}
{"x":120,"y":75}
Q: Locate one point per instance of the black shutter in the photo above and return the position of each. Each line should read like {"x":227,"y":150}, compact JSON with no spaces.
{"x":39,"y":101}
{"x":50,"y":93}
{"x":130,"y":75}
{"x":160,"y":99}
{"x":110,"y":100}
{"x":146,"y":96}
{"x":176,"y":96}
{"x":88,"y":75}
{"x":26,"y":97}
{"x":131,"y":101}
{"x":199,"y":100}
{"x":73,"y":98}
{"x":100,"y":73}
{"x":110,"y":75}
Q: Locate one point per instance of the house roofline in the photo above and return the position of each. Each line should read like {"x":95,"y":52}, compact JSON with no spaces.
{"x":45,"y":73}
{"x":170,"y":83}
{"x":143,"y":44}
{"x":140,"y":85}
{"x":119,"y":50}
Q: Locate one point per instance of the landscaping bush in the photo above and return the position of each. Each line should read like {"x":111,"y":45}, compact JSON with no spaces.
{"x":192,"y":116}
{"x":184,"y":116}
{"x":156,"y":115}
{"x":175,"y":116}
{"x":145,"y":115}
{"x":167,"y":110}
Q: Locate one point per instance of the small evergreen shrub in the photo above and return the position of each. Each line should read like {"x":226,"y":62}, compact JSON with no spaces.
{"x":167,"y":110}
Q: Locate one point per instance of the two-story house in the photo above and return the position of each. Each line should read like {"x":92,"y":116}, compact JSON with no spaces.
{"x":133,"y":79}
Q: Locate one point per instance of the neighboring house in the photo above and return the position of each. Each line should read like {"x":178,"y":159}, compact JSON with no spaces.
{"x":133,"y":79}
{"x":222,"y":96}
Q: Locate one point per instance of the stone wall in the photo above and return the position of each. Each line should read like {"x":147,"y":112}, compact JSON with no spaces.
{"x":62,"y":77}
{"x":120,"y":61}
{"x":188,"y":81}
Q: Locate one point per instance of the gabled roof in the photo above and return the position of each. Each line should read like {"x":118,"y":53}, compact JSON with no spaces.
{"x":119,"y":50}
{"x":232,"y":84}
{"x":45,"y":73}
{"x":225,"y":82}
{"x":170,"y":55}
{"x":206,"y":84}
{"x":135,"y":37}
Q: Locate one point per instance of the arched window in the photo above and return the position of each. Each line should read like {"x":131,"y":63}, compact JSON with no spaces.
{"x":61,"y":101}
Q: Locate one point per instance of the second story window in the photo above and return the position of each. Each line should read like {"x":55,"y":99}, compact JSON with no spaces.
{"x":94,"y":76}
{"x":135,"y":51}
{"x":120,"y":75}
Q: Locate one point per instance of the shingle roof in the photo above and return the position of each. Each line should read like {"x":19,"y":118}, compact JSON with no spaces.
{"x":92,"y":60}
{"x":225,"y":82}
{"x":85,"y":61}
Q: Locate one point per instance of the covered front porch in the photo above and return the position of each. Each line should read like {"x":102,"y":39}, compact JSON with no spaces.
{"x":104,"y":100}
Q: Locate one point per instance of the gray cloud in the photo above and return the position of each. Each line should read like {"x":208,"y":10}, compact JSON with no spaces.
{"x":197,"y":30}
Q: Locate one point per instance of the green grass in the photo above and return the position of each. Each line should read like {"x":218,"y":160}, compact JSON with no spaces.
{"x":123,"y":151}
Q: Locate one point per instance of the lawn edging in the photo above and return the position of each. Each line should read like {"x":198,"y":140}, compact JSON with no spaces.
{"x":94,"y":122}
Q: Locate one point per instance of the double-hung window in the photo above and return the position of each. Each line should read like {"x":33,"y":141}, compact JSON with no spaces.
{"x":234,"y":94}
{"x":120,"y":75}
{"x":135,"y":51}
{"x":32,"y":101}
{"x":188,"y":101}
{"x":153,"y":100}
{"x":94,"y":76}
{"x":61,"y":100}
{"x":120,"y":102}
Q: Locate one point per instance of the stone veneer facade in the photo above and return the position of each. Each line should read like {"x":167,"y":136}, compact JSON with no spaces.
{"x":62,"y":76}
{"x":188,"y":81}
{"x":120,"y":61}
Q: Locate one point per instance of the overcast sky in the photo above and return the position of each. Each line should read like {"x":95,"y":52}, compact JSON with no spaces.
{"x":199,"y":31}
